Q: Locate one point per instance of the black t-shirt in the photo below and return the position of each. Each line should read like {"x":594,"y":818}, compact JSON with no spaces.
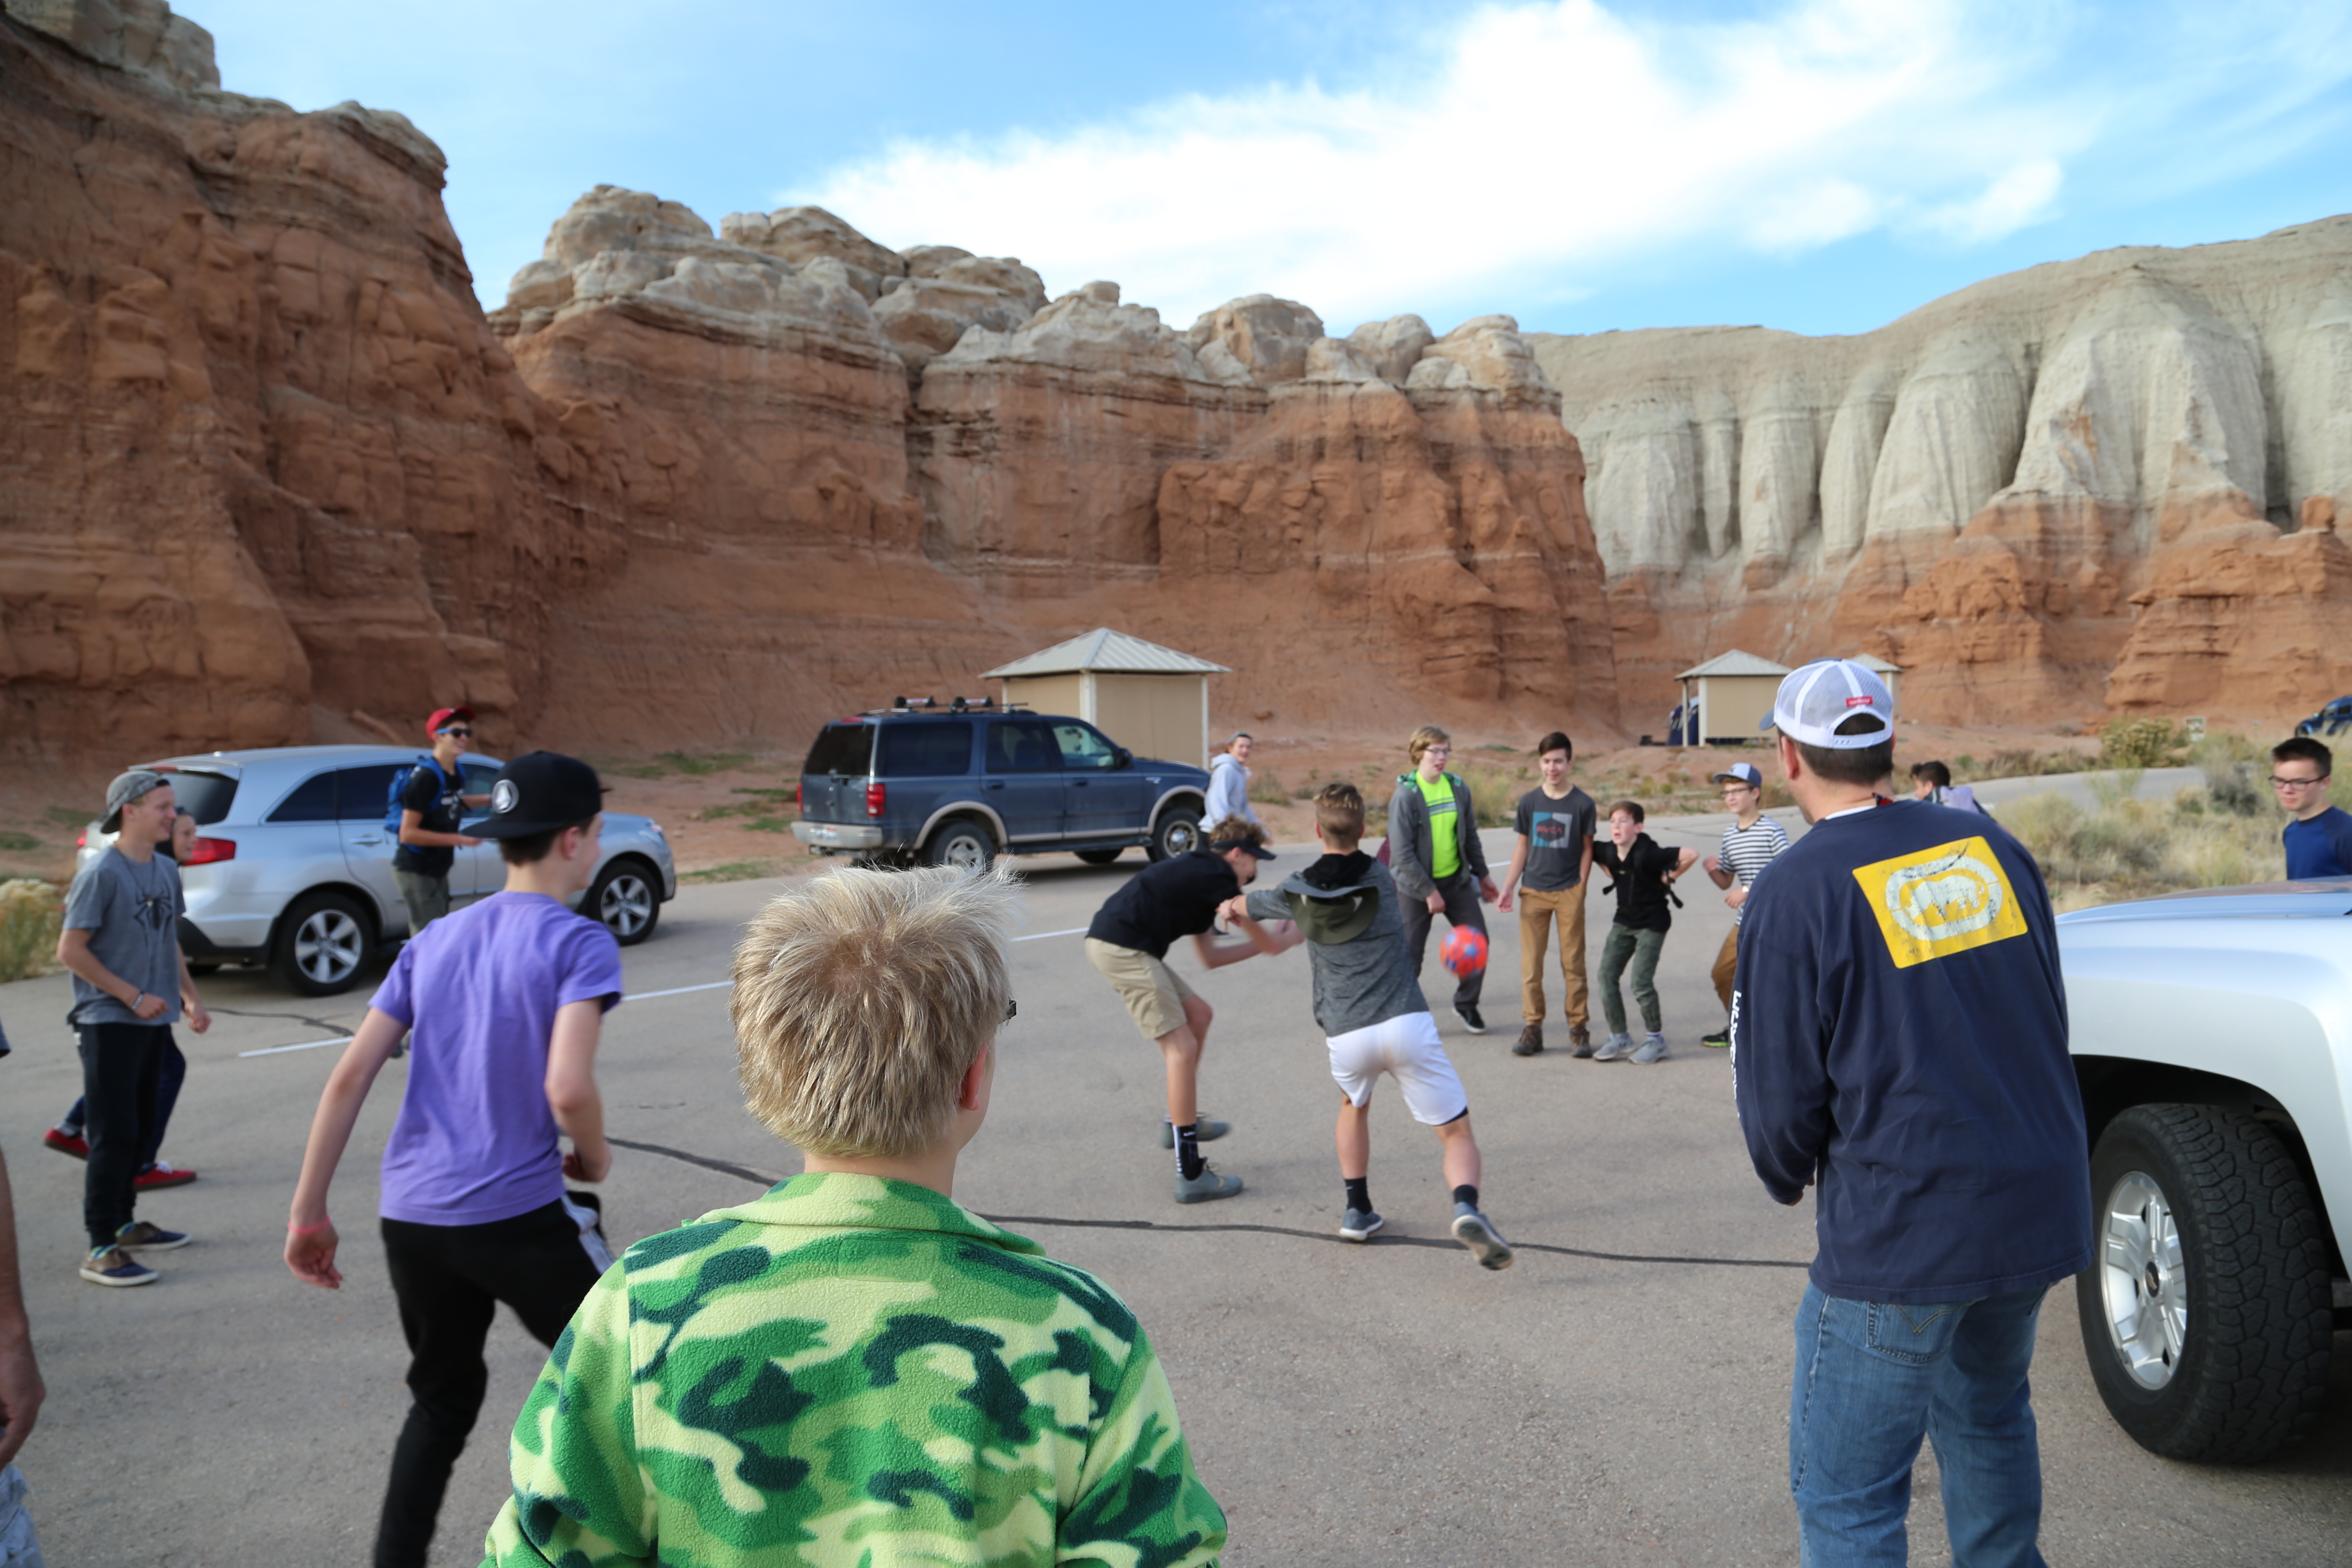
{"x":443,"y":808}
{"x":1640,"y":874}
{"x":1178,"y":897}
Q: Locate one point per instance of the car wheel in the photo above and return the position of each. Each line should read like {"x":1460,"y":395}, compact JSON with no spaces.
{"x":1098,"y":856}
{"x":1178,"y":833}
{"x":625,"y":895}
{"x":966,"y":845}
{"x":2207,"y":1315}
{"x":322,"y":944}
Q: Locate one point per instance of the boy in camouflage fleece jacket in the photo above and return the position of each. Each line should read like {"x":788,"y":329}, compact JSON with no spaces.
{"x":853,"y":1368}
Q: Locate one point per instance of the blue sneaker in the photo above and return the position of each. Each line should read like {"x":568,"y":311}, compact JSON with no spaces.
{"x":112,"y":1266}
{"x":1207,"y":1129}
{"x":1474,"y":1231}
{"x":1206,"y":1187}
{"x":1358,"y":1225}
{"x":145,"y":1235}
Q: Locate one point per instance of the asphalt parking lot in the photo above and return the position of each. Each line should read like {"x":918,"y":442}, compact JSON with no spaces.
{"x":1619,"y":1396}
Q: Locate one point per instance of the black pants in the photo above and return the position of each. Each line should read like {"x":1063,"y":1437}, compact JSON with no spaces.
{"x":167,"y":1095}
{"x":1462,"y":909}
{"x":122,"y":1067}
{"x":450,"y":1280}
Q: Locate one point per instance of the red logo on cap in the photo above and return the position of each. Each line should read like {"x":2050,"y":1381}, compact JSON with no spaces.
{"x":1858,"y":702}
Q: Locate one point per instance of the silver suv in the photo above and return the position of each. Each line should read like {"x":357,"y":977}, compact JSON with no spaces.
{"x":293,"y":866}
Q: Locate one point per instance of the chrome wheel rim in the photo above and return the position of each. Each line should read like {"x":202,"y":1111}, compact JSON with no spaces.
{"x":327,"y":947}
{"x":1184,"y":837}
{"x":627,"y":906}
{"x":2144,"y":1285}
{"x":966,"y":853}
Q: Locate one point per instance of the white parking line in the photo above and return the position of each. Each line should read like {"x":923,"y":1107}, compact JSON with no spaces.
{"x":1039,"y":936}
{"x":675,"y":991}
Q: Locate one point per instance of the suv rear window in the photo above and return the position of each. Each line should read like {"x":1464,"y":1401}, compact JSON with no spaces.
{"x":206,"y":796}
{"x":842,"y":749}
{"x":313,"y":800}
{"x":927,"y":749}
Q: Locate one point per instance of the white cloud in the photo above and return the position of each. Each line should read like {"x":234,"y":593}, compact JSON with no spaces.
{"x":1559,"y":138}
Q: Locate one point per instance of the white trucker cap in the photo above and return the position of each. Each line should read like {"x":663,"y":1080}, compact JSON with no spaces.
{"x":1814,"y":700}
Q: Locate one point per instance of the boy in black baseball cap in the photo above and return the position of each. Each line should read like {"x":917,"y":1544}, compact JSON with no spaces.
{"x":505,"y":998}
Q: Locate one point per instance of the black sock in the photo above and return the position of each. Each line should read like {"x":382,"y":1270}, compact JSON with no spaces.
{"x":1360,"y":1193}
{"x":1188,"y":1151}
{"x":1466,"y":1193}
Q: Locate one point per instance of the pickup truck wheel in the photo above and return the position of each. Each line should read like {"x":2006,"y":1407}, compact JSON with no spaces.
{"x":2207,"y":1315}
{"x":966,"y":845}
{"x":627,"y":896}
{"x":1098,"y":856}
{"x":1178,"y":833}
{"x":322,"y":944}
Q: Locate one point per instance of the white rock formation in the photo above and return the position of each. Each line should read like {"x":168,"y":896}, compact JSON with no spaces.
{"x":140,"y":35}
{"x":1267,"y":337}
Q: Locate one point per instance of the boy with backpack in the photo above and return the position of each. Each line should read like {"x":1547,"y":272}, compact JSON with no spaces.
{"x":1374,"y":1017}
{"x":428,"y":805}
{"x":1644,"y":871}
{"x":505,"y":998}
{"x":853,"y":1367}
{"x":1437,"y":861}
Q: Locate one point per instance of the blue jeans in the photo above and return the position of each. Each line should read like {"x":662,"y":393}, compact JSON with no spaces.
{"x":1872,"y":1379}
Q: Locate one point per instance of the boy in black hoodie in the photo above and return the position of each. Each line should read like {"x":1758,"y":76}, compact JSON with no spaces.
{"x":1645,"y":871}
{"x":1369,"y":1004}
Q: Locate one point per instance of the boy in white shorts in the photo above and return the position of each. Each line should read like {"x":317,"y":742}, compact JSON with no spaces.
{"x":1369,"y":1004}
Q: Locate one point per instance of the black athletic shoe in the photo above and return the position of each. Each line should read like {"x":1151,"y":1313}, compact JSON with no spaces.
{"x":1531,"y":1041}
{"x":1468,"y":1014}
{"x":1718,"y":1039}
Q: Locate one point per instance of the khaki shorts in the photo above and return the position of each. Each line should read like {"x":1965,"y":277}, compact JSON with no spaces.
{"x":1154,"y":994}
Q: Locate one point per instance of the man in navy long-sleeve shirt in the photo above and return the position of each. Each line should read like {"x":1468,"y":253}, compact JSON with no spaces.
{"x":1899,"y":1038}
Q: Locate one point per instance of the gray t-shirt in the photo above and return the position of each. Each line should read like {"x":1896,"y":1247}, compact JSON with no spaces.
{"x":1360,"y":979}
{"x":132,"y":914}
{"x":1557,"y":832}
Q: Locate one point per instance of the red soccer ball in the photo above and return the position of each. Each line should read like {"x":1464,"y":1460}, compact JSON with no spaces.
{"x":1465,"y":951}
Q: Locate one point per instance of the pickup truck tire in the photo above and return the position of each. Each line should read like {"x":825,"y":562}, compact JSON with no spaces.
{"x":2207,"y":1315}
{"x":1178,"y":832}
{"x":1098,"y":856}
{"x":626,"y":898}
{"x":963,"y":842}
{"x":323,"y":942}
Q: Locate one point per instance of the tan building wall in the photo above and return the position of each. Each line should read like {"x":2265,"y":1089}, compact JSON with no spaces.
{"x":1734,"y":707}
{"x":1163,"y":716}
{"x":1048,"y":693}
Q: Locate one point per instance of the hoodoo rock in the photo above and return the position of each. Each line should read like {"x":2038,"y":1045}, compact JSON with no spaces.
{"x":2044,"y":493}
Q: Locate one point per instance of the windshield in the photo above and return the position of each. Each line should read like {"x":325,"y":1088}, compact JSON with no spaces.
{"x":206,"y":796}
{"x":846,"y":748}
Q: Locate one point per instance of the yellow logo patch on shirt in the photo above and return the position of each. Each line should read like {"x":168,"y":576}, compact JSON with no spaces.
{"x":1940,"y":901}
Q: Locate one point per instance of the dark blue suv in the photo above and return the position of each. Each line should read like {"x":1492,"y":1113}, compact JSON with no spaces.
{"x":960,"y":784}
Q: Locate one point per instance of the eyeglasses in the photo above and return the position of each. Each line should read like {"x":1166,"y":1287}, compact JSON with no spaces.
{"x":1011,"y":1009}
{"x":2278,"y":782}
{"x":461,"y":735}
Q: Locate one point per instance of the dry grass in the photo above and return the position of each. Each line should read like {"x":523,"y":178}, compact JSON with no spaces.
{"x":31,"y":914}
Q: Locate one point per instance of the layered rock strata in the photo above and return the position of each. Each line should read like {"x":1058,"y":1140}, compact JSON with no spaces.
{"x":2030,"y":493}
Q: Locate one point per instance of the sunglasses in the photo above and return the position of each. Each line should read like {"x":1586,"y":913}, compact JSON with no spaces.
{"x":463,"y":734}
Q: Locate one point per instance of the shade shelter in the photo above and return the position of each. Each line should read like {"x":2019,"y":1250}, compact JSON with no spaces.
{"x":1152,"y":700}
{"x":1732,"y":693}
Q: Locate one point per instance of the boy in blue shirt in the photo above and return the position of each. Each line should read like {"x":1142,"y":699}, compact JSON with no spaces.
{"x":2319,"y":841}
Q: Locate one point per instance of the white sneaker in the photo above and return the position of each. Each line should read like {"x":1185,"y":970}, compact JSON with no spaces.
{"x":1615,"y":1047}
{"x":1654,"y":1049}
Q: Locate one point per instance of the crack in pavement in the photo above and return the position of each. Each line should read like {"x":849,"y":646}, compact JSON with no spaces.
{"x":296,"y":1017}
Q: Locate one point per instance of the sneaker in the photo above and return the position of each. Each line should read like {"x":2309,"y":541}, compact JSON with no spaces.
{"x":1473,"y":1230}
{"x":1468,"y":1013}
{"x":112,"y":1266}
{"x":1579,"y":1040}
{"x":1358,"y":1225}
{"x":1718,"y":1039}
{"x":66,"y":1143}
{"x":161,"y":1174}
{"x":146,"y":1236}
{"x":1206,"y":1187}
{"x":1208,"y":1130}
{"x":1654,"y":1049}
{"x":1613,"y":1047}
{"x":1531,"y":1041}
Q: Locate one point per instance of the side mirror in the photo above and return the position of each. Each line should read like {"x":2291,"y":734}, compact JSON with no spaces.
{"x":1122,"y":757}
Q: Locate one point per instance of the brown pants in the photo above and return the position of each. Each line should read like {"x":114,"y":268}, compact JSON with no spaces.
{"x":1537,"y":911}
{"x":1724,"y":961}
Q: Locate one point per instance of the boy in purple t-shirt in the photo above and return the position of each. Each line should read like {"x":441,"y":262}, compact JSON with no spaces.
{"x":504,"y":999}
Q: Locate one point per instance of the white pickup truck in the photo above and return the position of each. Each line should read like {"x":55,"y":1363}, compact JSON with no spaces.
{"x":2213,"y":1035}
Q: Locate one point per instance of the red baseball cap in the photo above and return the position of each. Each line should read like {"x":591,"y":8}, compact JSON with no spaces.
{"x":441,"y":717}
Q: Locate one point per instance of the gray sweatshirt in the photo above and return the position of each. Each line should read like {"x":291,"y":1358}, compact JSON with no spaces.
{"x":1412,"y":850}
{"x":1346,"y":906}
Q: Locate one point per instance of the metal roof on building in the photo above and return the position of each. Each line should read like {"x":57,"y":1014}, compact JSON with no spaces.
{"x":1876,"y":665}
{"x":1105,"y":649}
{"x":1736,"y":662}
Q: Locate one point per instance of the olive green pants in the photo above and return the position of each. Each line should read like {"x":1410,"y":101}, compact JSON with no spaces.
{"x":1639,"y":948}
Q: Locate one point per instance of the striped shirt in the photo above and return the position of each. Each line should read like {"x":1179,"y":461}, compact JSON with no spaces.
{"x":1745,"y":852}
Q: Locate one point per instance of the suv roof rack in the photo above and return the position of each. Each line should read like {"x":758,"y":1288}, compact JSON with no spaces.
{"x":953,"y":705}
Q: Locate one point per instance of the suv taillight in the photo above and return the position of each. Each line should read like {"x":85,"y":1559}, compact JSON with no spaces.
{"x":204,"y":851}
{"x":874,"y":797}
{"x":82,"y":839}
{"x":799,"y":794}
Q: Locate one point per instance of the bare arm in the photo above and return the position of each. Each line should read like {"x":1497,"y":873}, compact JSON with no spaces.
{"x":73,"y":952}
{"x":416,"y":836}
{"x":572,"y":1089}
{"x":192,"y":1005}
{"x":1717,"y":872}
{"x":20,"y":1377}
{"x":1215,"y":955}
{"x":1511,"y":877}
{"x":310,"y":1237}
{"x":1584,"y":870}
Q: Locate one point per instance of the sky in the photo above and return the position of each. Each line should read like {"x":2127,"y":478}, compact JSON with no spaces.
{"x":1816,"y":165}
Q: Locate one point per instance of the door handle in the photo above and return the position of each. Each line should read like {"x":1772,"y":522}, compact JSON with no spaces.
{"x":1077,"y":784}
{"x":996,"y":783}
{"x":376,"y":840}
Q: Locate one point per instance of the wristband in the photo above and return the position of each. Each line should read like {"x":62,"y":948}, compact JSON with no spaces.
{"x":136,"y":1000}
{"x":293,"y":1229}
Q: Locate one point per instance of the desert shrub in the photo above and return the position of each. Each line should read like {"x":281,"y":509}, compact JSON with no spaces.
{"x":2019,"y":763}
{"x":2142,"y":743}
{"x":2125,"y":848}
{"x":1266,"y":788}
{"x":2236,"y":771}
{"x":31,"y":915}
